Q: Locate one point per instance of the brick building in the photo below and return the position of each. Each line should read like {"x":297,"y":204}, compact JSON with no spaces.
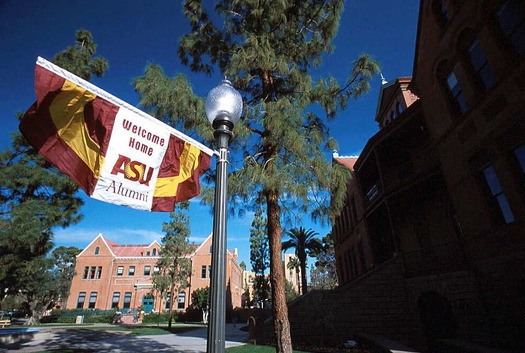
{"x":110,"y":275}
{"x":430,"y":248}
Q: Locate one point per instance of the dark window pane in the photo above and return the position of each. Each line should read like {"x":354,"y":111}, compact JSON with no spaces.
{"x":492,"y":180}
{"x":480,"y":64}
{"x":489,"y":173}
{"x":92,"y":300}
{"x":81,"y":300}
{"x":127,"y":300}
{"x":115,"y":300}
{"x":457,"y":93}
{"x":519,"y":152}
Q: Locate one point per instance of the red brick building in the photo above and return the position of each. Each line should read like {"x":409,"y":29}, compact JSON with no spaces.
{"x":110,"y":275}
{"x":432,"y":252}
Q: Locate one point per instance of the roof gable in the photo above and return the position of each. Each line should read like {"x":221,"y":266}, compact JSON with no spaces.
{"x":100,"y":242}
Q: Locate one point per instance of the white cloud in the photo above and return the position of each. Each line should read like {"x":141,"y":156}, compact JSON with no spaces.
{"x":81,"y":237}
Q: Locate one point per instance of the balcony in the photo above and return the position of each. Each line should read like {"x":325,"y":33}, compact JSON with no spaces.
{"x":418,"y":167}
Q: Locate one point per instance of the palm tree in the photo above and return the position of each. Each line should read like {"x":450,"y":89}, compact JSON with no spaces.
{"x":305,"y":244}
{"x":294,"y":264}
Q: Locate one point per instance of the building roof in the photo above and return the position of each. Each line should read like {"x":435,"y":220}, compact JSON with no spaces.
{"x":348,"y":161}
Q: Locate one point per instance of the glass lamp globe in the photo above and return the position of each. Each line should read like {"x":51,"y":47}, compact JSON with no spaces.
{"x":224,"y":100}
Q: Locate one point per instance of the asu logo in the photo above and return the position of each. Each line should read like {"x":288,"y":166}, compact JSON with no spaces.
{"x":132,"y":170}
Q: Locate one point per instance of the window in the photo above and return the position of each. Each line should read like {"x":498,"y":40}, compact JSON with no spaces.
{"x":97,"y":250}
{"x":120,"y":270}
{"x":209,"y":271}
{"x":519,"y":152}
{"x":154,"y":253}
{"x":115,"y":300}
{"x":441,"y":12}
{"x":81,"y":299}
{"x":148,"y":253}
{"x":147,"y":270}
{"x":181,"y":301}
{"x":203,"y":271}
{"x":131,"y":271}
{"x":512,"y":22}
{"x":99,"y":272}
{"x":92,"y":272}
{"x":480,"y":65}
{"x":155,"y":269}
{"x":456,"y":92}
{"x":127,"y":300}
{"x":168,"y":296}
{"x":86,"y":271}
{"x":500,"y":200}
{"x":399,"y":108}
{"x":92,"y":300}
{"x":519,"y":156}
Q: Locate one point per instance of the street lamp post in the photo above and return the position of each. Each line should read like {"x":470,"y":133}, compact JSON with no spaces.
{"x":223,"y":109}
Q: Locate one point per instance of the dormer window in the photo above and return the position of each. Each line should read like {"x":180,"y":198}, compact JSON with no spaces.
{"x":97,"y":250}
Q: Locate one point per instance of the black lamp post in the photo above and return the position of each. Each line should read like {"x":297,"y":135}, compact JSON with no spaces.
{"x":223,"y":109}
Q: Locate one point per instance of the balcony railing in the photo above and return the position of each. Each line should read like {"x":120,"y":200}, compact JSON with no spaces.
{"x":418,"y":166}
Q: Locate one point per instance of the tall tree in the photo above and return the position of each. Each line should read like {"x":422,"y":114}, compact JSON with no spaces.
{"x":324,"y":274}
{"x":268,"y":50}
{"x":35,"y":198}
{"x":174,"y":261}
{"x":295,"y":265}
{"x":305,"y":244}
{"x":64,"y":260}
{"x":259,"y":256}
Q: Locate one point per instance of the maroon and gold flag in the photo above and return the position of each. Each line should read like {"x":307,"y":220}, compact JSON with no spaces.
{"x":113,"y":151}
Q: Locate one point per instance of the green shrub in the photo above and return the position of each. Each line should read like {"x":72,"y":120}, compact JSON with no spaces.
{"x":153,"y":318}
{"x":99,"y":319}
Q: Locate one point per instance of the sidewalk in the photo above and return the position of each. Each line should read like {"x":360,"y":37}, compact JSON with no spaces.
{"x":120,"y":342}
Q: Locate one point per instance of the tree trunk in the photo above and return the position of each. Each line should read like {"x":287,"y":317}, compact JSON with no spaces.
{"x":280,"y":310}
{"x":170,"y":312}
{"x":297,"y":274}
{"x":304,"y":285}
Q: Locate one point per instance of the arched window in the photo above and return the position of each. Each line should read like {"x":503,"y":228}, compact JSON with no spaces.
{"x":154,"y":252}
{"x":97,"y":250}
{"x":475,"y":60}
{"x":446,"y":74}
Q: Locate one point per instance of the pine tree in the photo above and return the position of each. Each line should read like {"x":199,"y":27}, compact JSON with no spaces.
{"x":174,"y":262}
{"x":35,"y":198}
{"x":259,"y":256}
{"x":269,"y":51}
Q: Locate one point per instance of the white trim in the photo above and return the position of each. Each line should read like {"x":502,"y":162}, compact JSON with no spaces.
{"x":111,"y":98}
{"x":103,"y":240}
{"x":202,"y":244}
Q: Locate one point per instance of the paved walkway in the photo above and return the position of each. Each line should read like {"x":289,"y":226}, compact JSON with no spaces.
{"x":193,"y":341}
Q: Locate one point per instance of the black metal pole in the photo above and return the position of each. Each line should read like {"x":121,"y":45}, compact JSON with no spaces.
{"x":216,"y":327}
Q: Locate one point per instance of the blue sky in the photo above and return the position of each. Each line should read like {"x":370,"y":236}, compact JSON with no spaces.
{"x":131,"y":34}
